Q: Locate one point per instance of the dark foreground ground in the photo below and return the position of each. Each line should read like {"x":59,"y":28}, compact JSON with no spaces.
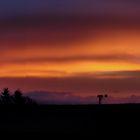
{"x":83,"y":120}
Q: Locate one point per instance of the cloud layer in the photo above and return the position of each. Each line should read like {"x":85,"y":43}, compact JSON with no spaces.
{"x":80,"y":46}
{"x":113,"y":83}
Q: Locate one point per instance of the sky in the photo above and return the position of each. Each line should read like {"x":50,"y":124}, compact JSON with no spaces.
{"x":83,"y":47}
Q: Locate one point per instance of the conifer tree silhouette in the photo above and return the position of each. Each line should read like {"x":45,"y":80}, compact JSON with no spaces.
{"x":5,"y":97}
{"x":18,"y":98}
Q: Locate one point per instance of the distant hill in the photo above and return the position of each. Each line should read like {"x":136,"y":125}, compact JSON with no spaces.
{"x":47,"y":97}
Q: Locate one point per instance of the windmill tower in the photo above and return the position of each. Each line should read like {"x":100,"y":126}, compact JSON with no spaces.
{"x":101,"y":97}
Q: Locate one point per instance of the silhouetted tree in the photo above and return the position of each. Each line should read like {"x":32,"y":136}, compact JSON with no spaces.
{"x":100,"y":97}
{"x":18,"y":98}
{"x":5,"y":97}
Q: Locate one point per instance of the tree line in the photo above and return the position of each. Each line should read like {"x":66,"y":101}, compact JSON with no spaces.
{"x":15,"y":99}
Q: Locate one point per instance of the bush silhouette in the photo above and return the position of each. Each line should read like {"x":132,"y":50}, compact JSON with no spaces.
{"x":29,"y":101}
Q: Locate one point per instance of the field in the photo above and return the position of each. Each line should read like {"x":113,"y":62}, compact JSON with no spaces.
{"x":81,"y":120}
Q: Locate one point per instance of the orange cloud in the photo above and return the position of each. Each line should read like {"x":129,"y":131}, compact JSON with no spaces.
{"x":51,"y":47}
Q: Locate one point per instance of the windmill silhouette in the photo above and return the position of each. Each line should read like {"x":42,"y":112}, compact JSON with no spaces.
{"x":100,"y":97}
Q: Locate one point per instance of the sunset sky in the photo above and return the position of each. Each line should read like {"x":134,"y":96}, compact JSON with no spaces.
{"x":84,"y":47}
